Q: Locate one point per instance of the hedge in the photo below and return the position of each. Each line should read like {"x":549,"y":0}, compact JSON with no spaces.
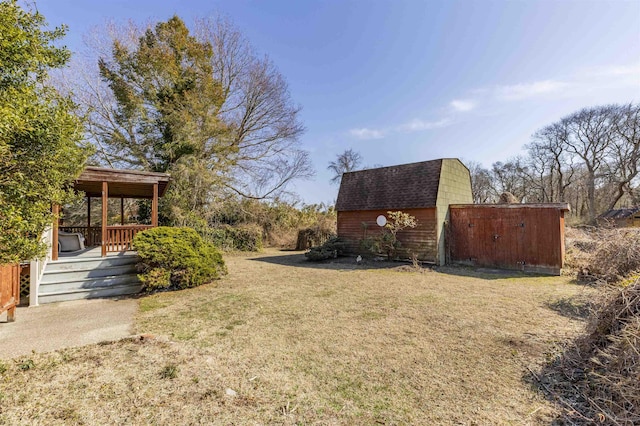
{"x":176,"y":258}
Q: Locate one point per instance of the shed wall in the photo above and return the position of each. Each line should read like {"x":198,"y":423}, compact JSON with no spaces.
{"x":454,"y":188}
{"x":508,"y":237}
{"x":420,"y":240}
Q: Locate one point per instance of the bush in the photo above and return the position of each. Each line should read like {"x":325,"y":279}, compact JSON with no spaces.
{"x":312,"y":237}
{"x":604,"y":254}
{"x":230,"y":238}
{"x":599,"y":371}
{"x":333,"y":248}
{"x":176,"y":258}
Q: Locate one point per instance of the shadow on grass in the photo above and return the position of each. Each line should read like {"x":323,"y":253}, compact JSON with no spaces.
{"x":348,"y":263}
{"x":559,"y":381}
{"x":345,"y":263}
{"x":574,"y":307}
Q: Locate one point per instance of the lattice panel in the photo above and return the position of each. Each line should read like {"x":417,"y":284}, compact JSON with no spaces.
{"x":24,"y":285}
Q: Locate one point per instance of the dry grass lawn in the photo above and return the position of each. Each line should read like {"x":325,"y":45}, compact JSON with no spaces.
{"x":283,"y":341}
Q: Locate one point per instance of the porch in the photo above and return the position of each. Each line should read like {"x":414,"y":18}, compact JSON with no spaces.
{"x":106,"y":266}
{"x":105,"y":184}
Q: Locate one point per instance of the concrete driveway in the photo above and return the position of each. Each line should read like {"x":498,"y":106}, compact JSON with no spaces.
{"x":66,"y":324}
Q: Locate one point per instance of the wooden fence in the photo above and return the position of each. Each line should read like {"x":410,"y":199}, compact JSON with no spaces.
{"x":9,"y":290}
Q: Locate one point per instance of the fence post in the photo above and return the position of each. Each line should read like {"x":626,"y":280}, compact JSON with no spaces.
{"x":34,"y":282}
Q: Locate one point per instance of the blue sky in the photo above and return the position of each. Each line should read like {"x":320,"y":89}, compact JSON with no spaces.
{"x":404,"y":81}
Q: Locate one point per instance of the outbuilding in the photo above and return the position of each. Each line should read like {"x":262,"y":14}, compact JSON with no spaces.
{"x":621,"y":218}
{"x":424,"y":190}
{"x":524,"y":237}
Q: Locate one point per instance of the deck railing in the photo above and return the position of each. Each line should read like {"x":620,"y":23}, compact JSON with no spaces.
{"x":119,"y":237}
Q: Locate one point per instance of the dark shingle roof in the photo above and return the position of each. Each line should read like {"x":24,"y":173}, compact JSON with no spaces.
{"x":405,"y":186}
{"x":620,"y":213}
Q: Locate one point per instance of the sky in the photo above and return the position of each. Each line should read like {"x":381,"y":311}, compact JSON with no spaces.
{"x":414,"y":80}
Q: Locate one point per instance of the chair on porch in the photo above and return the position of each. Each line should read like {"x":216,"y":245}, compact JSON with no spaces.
{"x":70,"y":241}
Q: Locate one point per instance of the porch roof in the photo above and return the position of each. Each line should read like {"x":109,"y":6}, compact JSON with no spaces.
{"x":122,"y":183}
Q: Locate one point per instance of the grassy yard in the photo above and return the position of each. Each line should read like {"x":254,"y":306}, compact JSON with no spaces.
{"x":283,"y":341}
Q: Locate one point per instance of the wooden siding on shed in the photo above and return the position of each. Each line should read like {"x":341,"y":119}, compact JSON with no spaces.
{"x":509,"y":237}
{"x":420,"y":240}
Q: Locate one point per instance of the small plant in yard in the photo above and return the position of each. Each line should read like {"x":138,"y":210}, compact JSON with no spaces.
{"x":387,"y":241}
{"x":415,"y":262}
{"x":176,"y":258}
{"x":333,"y":248}
{"x":169,"y":371}
{"x":26,"y":364}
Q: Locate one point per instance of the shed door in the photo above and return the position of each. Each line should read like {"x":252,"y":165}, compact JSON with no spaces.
{"x":490,"y":241}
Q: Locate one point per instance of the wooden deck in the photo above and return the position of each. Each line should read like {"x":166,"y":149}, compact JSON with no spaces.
{"x":92,"y":252}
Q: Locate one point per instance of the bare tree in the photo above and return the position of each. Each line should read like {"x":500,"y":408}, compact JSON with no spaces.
{"x":590,"y":138}
{"x":512,"y":176}
{"x":348,"y":161}
{"x":624,"y":152}
{"x":548,"y":153}
{"x":481,"y":183}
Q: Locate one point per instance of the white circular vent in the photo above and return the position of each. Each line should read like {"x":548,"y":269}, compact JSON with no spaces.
{"x":381,"y":220}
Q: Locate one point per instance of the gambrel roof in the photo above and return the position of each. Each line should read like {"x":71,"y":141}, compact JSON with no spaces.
{"x":405,"y":186}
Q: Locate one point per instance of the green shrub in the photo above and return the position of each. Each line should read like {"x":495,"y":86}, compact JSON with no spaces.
{"x":333,"y":248}
{"x":176,"y":258}
{"x":230,"y":238}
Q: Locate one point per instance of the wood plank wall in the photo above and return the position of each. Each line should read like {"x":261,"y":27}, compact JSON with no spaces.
{"x":9,"y":289}
{"x":420,"y":240}
{"x":522,"y":238}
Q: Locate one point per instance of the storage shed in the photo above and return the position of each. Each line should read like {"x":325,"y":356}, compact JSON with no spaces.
{"x":525,"y":237}
{"x":424,"y":190}
{"x":621,"y":218}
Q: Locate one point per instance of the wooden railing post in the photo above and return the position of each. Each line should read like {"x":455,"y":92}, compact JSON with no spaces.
{"x":105,"y":207}
{"x":154,"y":206}
{"x":55,"y":209}
{"x":89,"y":239}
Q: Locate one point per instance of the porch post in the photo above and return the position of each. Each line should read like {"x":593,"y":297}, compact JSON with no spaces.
{"x":55,"y":209}
{"x":105,"y":206}
{"x":89,"y":239}
{"x":121,"y":210}
{"x":154,"y":206}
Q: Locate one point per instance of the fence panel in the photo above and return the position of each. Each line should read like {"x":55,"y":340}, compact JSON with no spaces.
{"x":9,"y":290}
